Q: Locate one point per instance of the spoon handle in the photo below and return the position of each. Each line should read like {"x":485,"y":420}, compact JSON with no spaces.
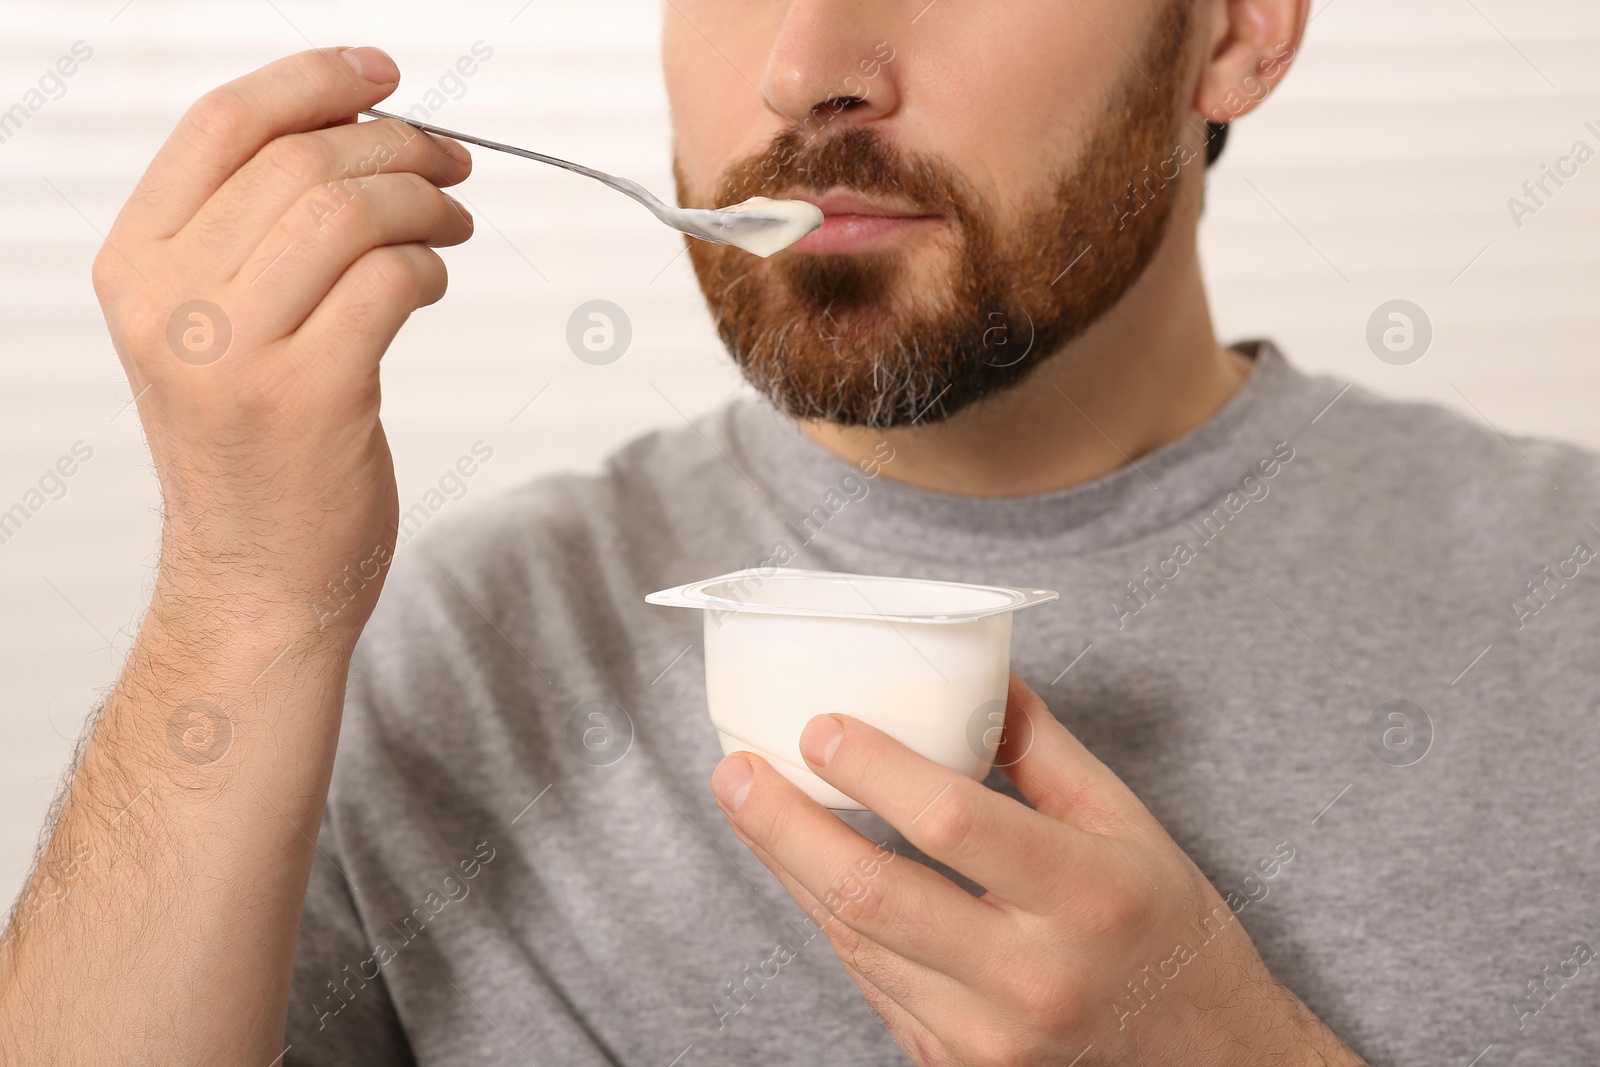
{"x":621,"y":185}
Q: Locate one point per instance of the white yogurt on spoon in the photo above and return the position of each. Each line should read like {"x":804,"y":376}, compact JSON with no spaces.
{"x":759,"y":226}
{"x":762,"y":226}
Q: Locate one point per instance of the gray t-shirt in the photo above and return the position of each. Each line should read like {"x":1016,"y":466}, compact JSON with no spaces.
{"x":1345,"y":649}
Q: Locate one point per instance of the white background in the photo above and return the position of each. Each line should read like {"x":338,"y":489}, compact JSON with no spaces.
{"x":1381,"y":171}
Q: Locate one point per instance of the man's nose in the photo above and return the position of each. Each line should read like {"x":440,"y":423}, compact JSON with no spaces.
{"x":833,"y":61}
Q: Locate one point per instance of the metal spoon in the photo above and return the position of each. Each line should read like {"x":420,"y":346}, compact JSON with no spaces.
{"x":758,"y":225}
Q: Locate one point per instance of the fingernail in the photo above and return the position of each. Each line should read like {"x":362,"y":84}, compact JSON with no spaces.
{"x":459,"y":206}
{"x":821,"y":738}
{"x":731,"y":782}
{"x":372,"y":64}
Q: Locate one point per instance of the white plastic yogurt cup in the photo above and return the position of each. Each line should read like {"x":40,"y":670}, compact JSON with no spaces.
{"x":925,"y":662}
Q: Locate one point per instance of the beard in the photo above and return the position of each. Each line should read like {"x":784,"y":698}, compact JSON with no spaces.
{"x":848,"y":339}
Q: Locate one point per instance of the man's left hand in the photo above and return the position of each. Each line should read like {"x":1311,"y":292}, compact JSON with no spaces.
{"x":1097,"y":941}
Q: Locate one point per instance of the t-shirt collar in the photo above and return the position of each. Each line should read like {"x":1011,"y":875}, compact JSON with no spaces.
{"x":1274,"y":404}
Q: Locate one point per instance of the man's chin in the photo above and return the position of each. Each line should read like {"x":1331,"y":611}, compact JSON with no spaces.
{"x":869,"y":366}
{"x":815,"y":292}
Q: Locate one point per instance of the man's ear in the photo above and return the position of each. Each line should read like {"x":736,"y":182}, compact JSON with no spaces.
{"x":1250,"y":48}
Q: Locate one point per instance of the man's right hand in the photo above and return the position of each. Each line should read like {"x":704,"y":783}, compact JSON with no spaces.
{"x":251,"y":285}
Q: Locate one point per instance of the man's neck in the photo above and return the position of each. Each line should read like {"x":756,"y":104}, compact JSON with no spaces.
{"x":1145,"y":375}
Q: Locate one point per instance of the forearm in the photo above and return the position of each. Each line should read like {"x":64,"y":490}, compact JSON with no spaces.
{"x":1240,"y":1014}
{"x":1248,"y":1018}
{"x":160,"y":924}
{"x":1292,"y":1035}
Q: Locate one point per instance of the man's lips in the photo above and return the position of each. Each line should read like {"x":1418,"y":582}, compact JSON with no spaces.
{"x":853,"y":223}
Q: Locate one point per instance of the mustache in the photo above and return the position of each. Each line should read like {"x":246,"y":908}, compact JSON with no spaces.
{"x":858,"y":159}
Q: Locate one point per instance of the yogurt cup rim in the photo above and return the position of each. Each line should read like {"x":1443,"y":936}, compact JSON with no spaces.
{"x":1003,"y":599}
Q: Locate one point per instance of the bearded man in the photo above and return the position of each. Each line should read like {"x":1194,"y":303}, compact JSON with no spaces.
{"x":1322,"y":678}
